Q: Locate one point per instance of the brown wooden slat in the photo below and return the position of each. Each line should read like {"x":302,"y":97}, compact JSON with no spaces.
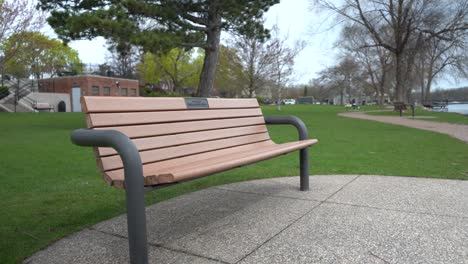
{"x":120,"y":119}
{"x":114,"y":162}
{"x":137,"y":131}
{"x":187,"y":138}
{"x":116,"y":177}
{"x":207,"y":163}
{"x":222,"y":163}
{"x":215,"y":103}
{"x":99,"y":104}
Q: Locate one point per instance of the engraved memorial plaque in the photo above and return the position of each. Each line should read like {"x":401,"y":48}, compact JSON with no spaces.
{"x":196,"y":103}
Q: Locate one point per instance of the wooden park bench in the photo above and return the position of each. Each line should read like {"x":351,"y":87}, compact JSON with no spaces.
{"x":143,"y":144}
{"x":399,"y":107}
{"x":42,"y":106}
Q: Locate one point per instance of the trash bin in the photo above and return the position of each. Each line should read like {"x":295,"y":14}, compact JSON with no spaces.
{"x":62,"y":106}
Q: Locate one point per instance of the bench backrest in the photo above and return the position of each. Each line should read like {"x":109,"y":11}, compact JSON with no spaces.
{"x":167,"y":128}
{"x":41,"y":105}
{"x":399,"y":106}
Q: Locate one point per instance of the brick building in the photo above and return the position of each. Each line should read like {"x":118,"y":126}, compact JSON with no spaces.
{"x":79,"y":85}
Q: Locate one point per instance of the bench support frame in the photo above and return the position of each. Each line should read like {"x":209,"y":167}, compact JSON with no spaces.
{"x":134,"y":180}
{"x":134,"y":184}
{"x":303,"y":153}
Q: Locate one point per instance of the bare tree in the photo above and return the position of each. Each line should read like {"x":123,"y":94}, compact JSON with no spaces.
{"x":402,"y":26}
{"x":376,"y":61}
{"x":256,"y":61}
{"x":459,"y":94}
{"x":123,"y":59}
{"x":344,"y":78}
{"x":17,"y":16}
{"x":281,"y":70}
{"x":318,"y":90}
{"x":445,"y":45}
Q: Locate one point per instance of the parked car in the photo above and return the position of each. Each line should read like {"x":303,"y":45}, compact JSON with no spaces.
{"x":289,"y":101}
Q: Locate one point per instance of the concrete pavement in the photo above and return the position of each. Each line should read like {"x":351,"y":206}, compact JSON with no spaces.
{"x":342,"y":219}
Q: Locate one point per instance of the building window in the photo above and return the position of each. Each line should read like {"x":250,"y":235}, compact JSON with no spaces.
{"x":106,"y":91}
{"x":95,"y":90}
{"x":124,"y":91}
{"x":133,"y":92}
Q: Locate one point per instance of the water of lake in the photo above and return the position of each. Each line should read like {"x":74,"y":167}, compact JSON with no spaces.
{"x":458,"y":108}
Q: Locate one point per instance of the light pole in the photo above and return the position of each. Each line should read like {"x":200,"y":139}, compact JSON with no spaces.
{"x":117,"y":84}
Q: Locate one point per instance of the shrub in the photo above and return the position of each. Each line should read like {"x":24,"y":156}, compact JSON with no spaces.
{"x":264,"y":100}
{"x":4,"y":92}
{"x":149,"y":93}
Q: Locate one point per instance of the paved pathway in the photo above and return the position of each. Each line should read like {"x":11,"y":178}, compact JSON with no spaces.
{"x":342,"y":219}
{"x":454,"y":130}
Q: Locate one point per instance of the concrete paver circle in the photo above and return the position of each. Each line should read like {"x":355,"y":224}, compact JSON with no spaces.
{"x":342,"y":219}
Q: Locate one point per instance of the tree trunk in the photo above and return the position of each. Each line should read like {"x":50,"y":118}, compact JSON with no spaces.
{"x":430,"y":78}
{"x":383,"y":79}
{"x":421,"y":84}
{"x":252,"y":80}
{"x":427,"y":93}
{"x":2,"y":71}
{"x":208,"y":72}
{"x":341,"y":97}
{"x":381,"y":100}
{"x":399,"y":87}
{"x":251,"y":87}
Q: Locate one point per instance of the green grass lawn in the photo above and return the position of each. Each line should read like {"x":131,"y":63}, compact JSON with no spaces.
{"x":454,"y":118}
{"x":51,"y":188}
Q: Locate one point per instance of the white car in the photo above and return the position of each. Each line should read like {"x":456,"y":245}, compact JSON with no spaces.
{"x":289,"y":101}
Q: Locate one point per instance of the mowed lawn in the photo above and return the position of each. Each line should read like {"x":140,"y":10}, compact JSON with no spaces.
{"x":50,"y":188}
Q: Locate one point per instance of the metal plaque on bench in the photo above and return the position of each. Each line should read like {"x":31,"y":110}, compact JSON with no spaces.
{"x":196,"y":103}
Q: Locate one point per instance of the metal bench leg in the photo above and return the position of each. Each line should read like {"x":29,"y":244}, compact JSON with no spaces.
{"x":304,"y":153}
{"x":136,"y":215}
{"x":136,"y":223}
{"x":304,"y":163}
{"x":134,"y":184}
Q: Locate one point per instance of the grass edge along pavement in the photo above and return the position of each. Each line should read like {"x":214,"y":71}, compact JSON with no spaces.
{"x":423,"y":114}
{"x":51,"y":188}
{"x":458,"y":131}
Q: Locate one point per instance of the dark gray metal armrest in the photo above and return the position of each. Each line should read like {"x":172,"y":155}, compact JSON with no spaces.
{"x":304,"y":153}
{"x":291,"y":120}
{"x":134,"y":183}
{"x":110,"y":138}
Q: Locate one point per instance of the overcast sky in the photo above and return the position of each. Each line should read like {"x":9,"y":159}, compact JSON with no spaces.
{"x":295,"y":19}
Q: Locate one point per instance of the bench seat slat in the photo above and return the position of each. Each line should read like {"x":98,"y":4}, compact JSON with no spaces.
{"x":99,"y":104}
{"x":120,"y":119}
{"x":114,"y":162}
{"x":208,"y":163}
{"x":137,"y":131}
{"x":116,"y":177}
{"x":219,"y":103}
{"x":187,"y":138}
{"x":194,"y":170}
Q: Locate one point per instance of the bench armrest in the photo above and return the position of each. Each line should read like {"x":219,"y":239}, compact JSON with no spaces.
{"x":118,"y":141}
{"x":134,"y":183}
{"x":108,"y":138}
{"x":122,"y":144}
{"x":304,"y":153}
{"x":289,"y":120}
